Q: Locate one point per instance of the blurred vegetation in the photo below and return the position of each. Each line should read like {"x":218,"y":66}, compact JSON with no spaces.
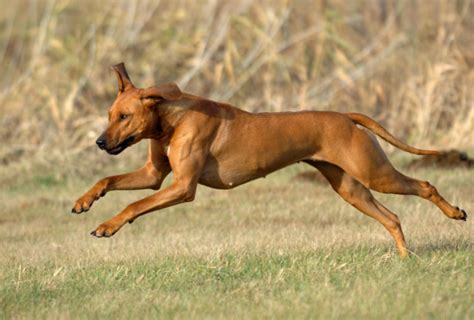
{"x":408,"y":64}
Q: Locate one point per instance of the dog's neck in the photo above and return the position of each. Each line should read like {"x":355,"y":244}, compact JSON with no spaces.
{"x":167,"y":116}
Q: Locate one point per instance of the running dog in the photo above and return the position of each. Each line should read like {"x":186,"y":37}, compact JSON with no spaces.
{"x":220,"y":146}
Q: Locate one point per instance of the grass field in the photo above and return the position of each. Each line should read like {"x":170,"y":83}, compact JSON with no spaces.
{"x":275,"y":248}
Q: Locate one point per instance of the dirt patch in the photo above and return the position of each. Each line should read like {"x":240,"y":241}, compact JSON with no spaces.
{"x":448,"y":159}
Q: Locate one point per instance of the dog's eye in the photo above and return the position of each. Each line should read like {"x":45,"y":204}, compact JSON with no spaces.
{"x":123,"y":116}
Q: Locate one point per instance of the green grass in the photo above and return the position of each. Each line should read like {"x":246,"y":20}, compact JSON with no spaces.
{"x":326,"y":284}
{"x":275,"y":248}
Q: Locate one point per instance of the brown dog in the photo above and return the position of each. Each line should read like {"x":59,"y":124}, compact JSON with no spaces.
{"x":220,"y":146}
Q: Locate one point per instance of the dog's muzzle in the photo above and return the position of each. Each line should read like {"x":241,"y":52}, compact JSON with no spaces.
{"x":121,"y":146}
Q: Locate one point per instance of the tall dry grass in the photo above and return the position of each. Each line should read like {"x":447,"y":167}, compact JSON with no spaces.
{"x":408,"y":64}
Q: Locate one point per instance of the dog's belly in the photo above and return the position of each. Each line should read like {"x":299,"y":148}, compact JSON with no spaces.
{"x":231,"y":175}
{"x":258,"y":148}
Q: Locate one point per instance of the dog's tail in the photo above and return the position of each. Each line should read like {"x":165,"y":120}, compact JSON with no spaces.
{"x":376,"y":128}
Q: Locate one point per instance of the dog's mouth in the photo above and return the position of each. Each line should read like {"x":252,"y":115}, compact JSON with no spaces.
{"x":121,"y":146}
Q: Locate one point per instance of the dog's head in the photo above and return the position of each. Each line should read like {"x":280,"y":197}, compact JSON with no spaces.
{"x":133,"y":115}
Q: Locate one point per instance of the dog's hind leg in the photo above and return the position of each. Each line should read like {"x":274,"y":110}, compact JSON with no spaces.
{"x":397,"y":183}
{"x":366,"y":162}
{"x":361,"y":198}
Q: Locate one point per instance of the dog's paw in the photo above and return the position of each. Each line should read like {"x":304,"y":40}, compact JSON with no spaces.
{"x":83,"y":204}
{"x":461,"y":214}
{"x":106,"y":229}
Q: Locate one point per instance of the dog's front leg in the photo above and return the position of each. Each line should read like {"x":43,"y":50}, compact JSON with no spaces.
{"x":187,"y":161}
{"x":174,"y":194}
{"x":149,"y":176}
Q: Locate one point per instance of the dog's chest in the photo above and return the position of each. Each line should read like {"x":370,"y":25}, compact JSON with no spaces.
{"x":166,"y":149}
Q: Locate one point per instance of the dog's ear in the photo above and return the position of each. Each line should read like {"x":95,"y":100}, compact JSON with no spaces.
{"x":167,"y":91}
{"x":123,"y":79}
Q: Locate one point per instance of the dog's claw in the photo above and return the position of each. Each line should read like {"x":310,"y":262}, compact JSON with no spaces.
{"x":93,"y":233}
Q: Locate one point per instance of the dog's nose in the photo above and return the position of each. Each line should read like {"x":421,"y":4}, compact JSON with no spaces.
{"x":101,"y":142}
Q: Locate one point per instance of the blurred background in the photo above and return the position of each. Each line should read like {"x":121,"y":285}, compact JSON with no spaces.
{"x":408,"y":64}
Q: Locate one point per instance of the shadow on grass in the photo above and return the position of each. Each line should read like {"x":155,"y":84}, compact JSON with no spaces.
{"x":444,"y":245}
